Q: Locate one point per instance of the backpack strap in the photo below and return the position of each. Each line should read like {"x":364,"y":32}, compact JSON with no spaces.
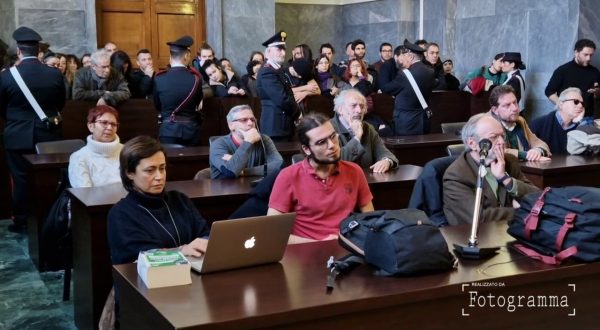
{"x":564,"y":229}
{"x":549,"y":260}
{"x":533,"y":218}
{"x":341,"y":266}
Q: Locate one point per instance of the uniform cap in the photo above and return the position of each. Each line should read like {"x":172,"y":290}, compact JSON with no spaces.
{"x":410,"y":47}
{"x":278,"y":40}
{"x":182,"y":43}
{"x":26,"y":35}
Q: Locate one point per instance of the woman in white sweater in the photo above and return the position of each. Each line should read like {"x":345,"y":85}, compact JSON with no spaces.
{"x":97,"y":163}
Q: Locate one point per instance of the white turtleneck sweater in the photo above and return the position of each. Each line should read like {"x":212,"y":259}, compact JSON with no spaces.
{"x":96,"y":164}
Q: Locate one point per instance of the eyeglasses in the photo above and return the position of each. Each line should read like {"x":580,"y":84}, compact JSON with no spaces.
{"x":323,"y":143}
{"x":576,"y":102}
{"x":245,"y":120}
{"x":106,"y":123}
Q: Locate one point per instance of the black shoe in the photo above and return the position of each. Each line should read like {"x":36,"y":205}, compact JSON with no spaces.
{"x":19,"y":228}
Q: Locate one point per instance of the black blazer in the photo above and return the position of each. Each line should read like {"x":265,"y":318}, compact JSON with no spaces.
{"x":23,"y":126}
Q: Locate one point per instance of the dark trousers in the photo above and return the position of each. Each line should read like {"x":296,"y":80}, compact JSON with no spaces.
{"x":17,"y":165}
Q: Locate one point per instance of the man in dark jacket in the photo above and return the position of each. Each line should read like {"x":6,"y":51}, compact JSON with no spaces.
{"x":409,"y":116}
{"x":24,"y":128}
{"x":177,"y":97}
{"x":275,"y":92}
{"x":100,"y":82}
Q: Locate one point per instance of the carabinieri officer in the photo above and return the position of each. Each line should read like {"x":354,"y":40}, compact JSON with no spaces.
{"x":24,"y":127}
{"x":177,"y":96}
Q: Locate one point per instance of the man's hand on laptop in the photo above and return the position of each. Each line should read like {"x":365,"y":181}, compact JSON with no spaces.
{"x":196,"y":248}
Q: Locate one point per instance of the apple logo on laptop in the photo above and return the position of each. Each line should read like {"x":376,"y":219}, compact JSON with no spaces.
{"x":249,"y":243}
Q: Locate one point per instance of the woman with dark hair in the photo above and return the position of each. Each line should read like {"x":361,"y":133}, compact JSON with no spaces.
{"x":302,"y":51}
{"x":97,"y":163}
{"x":257,"y":56}
{"x":328,"y":81}
{"x":248,"y":80}
{"x":72,"y":65}
{"x":150,"y":217}
{"x":121,"y":62}
{"x":356,"y":76}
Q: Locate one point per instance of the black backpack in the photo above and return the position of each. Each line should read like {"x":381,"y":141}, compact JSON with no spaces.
{"x":395,"y":242}
{"x":559,"y":223}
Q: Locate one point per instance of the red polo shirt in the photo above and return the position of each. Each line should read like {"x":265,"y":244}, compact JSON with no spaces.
{"x":320,"y":205}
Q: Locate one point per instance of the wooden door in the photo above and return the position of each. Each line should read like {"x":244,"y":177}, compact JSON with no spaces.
{"x":136,"y":24}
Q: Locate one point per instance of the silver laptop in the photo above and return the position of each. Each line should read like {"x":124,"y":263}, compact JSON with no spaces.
{"x":245,"y":242}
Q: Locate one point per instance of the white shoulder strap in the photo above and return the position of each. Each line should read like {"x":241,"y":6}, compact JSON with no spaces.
{"x":34,"y":104}
{"x":415,"y":87}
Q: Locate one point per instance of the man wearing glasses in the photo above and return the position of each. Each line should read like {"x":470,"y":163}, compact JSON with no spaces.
{"x":503,"y":183}
{"x":244,"y":151}
{"x":322,"y":189}
{"x":100,"y":82}
{"x":569,"y":114}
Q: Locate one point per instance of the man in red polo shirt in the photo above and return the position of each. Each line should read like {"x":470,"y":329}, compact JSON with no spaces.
{"x":322,"y":189}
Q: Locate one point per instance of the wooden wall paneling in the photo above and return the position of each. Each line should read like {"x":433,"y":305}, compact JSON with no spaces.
{"x":172,"y":19}
{"x":126,"y":23}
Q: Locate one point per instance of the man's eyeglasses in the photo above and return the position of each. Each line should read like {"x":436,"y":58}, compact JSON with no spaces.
{"x":245,"y":120}
{"x":323,"y":143}
{"x":576,"y":102}
{"x":106,"y":123}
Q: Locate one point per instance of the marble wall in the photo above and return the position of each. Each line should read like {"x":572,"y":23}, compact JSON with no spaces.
{"x":374,"y":22}
{"x":589,"y":25}
{"x":68,"y":25}
{"x":236,"y":28}
{"x":7,"y":21}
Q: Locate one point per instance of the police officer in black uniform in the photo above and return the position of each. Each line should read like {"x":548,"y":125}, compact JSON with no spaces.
{"x":409,"y":116}
{"x":177,"y":96}
{"x":279,"y":107}
{"x":24,"y":128}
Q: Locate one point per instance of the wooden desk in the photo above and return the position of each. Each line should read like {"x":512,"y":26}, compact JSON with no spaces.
{"x":45,"y":170}
{"x":564,"y":170}
{"x":419,"y":149}
{"x":215,"y":199}
{"x":292,"y":295}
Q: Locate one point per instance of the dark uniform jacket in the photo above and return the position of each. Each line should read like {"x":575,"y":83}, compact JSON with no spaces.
{"x":515,"y":83}
{"x":460,"y":183}
{"x":409,"y":117}
{"x":277,"y":102}
{"x":23,"y":127}
{"x":173,"y":88}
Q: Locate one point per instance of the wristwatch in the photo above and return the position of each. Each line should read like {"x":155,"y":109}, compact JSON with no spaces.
{"x":503,"y":178}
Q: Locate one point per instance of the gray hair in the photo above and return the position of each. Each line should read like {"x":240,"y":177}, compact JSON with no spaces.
{"x":98,"y":55}
{"x":339,"y":100}
{"x":236,"y":109}
{"x":470,"y":128}
{"x":563,"y":95}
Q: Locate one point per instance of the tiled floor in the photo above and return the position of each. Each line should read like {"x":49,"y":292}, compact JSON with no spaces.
{"x":28,"y":299}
